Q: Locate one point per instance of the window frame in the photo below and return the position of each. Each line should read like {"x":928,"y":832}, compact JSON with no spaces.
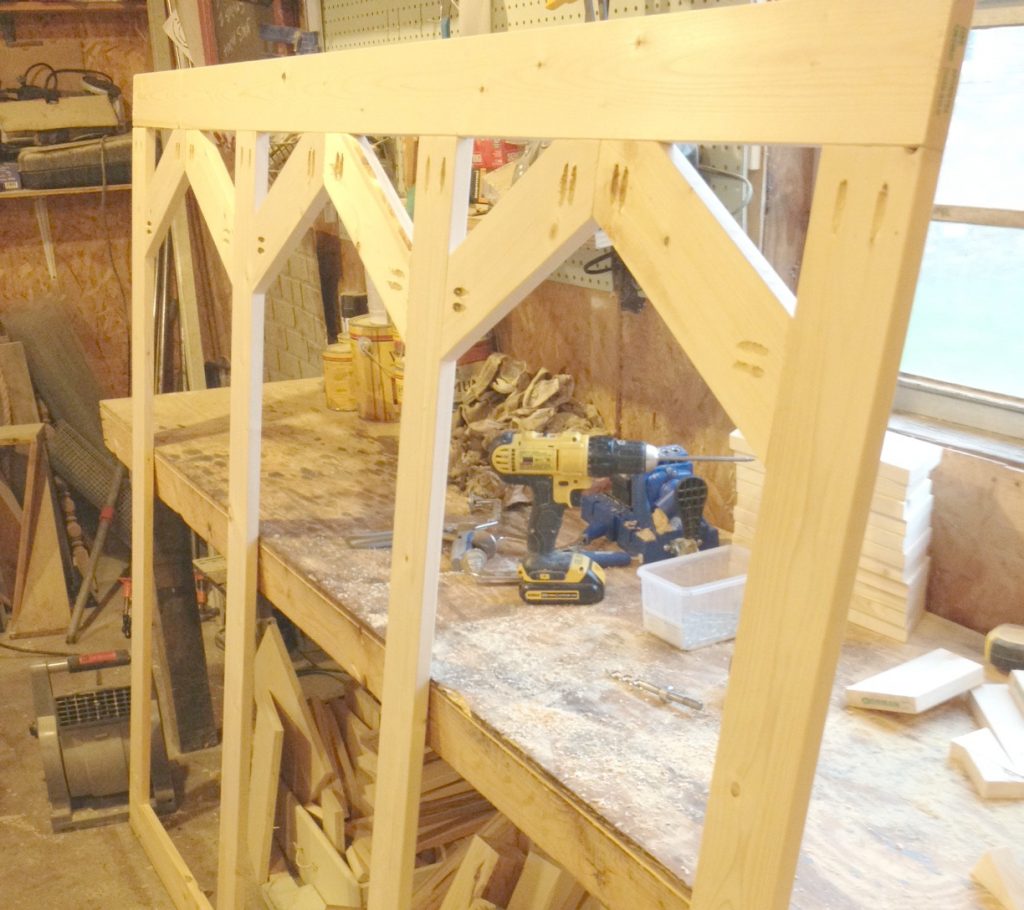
{"x":980,"y":421}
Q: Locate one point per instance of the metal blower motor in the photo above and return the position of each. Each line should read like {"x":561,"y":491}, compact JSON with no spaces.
{"x":84,"y":740}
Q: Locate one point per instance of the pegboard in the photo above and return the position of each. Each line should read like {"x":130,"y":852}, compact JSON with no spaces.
{"x":368,"y":23}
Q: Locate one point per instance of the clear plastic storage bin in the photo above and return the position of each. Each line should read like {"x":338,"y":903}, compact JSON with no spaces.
{"x":694,"y":600}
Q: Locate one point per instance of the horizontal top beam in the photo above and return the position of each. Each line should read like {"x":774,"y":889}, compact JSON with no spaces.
{"x":797,"y":72}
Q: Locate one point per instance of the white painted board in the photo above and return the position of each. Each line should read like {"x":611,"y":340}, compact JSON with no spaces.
{"x":918,"y":684}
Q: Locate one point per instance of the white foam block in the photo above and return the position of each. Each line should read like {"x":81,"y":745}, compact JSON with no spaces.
{"x":987,"y":765}
{"x":1017,"y":687}
{"x":1000,"y":872}
{"x":918,"y":684}
{"x":995,"y":708}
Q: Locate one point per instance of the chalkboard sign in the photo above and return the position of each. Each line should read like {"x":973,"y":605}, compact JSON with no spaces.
{"x":237,"y":28}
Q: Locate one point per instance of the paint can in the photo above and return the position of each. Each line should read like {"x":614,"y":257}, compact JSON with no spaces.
{"x":378,"y":358}
{"x":339,"y":379}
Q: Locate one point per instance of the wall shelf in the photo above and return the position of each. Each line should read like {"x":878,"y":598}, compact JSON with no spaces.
{"x":68,"y":6}
{"x":62,"y":191}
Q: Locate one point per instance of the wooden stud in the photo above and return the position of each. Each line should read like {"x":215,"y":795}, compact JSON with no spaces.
{"x":374,"y":218}
{"x":41,"y":605}
{"x":182,"y":887}
{"x":214,"y":192}
{"x":544,"y":885}
{"x":291,"y":207}
{"x":143,"y":586}
{"x":868,"y":223}
{"x":264,"y":782}
{"x":251,"y":174}
{"x":166,"y":193}
{"x":540,"y":221}
{"x":716,"y":292}
{"x":796,"y":72}
{"x":442,"y":193}
{"x":305,"y":765}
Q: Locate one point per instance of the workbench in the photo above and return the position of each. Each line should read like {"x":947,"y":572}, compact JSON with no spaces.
{"x":609,"y":782}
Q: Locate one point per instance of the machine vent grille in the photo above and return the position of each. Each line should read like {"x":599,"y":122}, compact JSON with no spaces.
{"x":90,"y":707}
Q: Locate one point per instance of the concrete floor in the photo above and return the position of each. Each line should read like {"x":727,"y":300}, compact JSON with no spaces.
{"x":102,"y":867}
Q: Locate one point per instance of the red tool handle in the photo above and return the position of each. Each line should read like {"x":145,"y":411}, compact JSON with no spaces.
{"x":98,"y":661}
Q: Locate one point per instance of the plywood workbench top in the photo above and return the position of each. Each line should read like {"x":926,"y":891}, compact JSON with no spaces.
{"x":522,"y":704}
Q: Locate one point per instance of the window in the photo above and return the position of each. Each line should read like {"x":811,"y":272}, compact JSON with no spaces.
{"x":964,"y":358}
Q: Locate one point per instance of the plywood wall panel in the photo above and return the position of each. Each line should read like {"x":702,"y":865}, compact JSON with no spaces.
{"x":115,"y":43}
{"x":977,"y":574}
{"x":86,"y":279}
{"x":665,"y":401}
{"x":567,"y":329}
{"x":90,"y":283}
{"x":631,"y":368}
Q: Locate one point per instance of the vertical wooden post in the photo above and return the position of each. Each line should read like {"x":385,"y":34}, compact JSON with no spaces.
{"x":143,"y":605}
{"x":251,"y":174}
{"x":442,"y":193}
{"x":868,"y":222}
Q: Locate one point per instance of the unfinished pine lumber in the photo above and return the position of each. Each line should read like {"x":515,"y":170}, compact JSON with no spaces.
{"x":468,"y":856}
{"x":892,"y":572}
{"x":799,"y":72}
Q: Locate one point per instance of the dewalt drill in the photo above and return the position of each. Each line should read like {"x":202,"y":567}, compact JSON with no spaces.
{"x":558,"y":468}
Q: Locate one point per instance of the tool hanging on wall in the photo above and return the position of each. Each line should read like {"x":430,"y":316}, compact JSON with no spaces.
{"x":558,"y":468}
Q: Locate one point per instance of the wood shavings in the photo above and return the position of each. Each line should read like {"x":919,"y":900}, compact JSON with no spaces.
{"x":505,"y":395}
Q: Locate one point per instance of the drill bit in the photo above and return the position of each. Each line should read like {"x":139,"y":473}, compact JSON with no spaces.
{"x":665,"y":693}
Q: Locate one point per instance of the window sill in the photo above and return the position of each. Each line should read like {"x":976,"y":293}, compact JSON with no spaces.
{"x":1004,"y":449}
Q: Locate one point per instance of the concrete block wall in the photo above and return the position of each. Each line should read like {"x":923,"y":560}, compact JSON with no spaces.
{"x":296,"y":333}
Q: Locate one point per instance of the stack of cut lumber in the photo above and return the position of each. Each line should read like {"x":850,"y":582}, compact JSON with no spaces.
{"x":312,"y":791}
{"x":892,"y":573}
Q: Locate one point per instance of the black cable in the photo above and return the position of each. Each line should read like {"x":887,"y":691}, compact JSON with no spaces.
{"x":54,"y":74}
{"x":312,"y":671}
{"x":591,"y":267}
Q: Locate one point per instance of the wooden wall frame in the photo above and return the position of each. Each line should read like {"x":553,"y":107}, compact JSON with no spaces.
{"x":872,"y":82}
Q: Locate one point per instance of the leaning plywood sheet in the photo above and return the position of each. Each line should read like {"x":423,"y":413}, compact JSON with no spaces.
{"x":918,"y":684}
{"x":304,"y":764}
{"x":267,"y":743}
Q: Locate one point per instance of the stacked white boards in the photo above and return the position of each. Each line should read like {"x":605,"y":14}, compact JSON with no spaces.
{"x":892,"y":574}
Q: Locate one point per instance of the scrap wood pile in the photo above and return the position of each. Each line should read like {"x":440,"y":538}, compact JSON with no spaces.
{"x":504,"y":395}
{"x":312,"y":795}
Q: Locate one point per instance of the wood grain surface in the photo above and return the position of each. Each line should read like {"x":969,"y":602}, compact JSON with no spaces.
{"x":523,"y":706}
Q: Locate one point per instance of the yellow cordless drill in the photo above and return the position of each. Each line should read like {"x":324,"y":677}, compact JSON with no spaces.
{"x":558,"y":468}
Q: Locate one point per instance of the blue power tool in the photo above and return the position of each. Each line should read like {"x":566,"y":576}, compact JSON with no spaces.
{"x":654,"y":515}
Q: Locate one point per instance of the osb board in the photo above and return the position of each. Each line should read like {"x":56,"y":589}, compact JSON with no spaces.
{"x":92,"y":290}
{"x":114,"y":43}
{"x":890,"y":824}
{"x":977,"y":542}
{"x":632,"y":369}
{"x":573,"y":330}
